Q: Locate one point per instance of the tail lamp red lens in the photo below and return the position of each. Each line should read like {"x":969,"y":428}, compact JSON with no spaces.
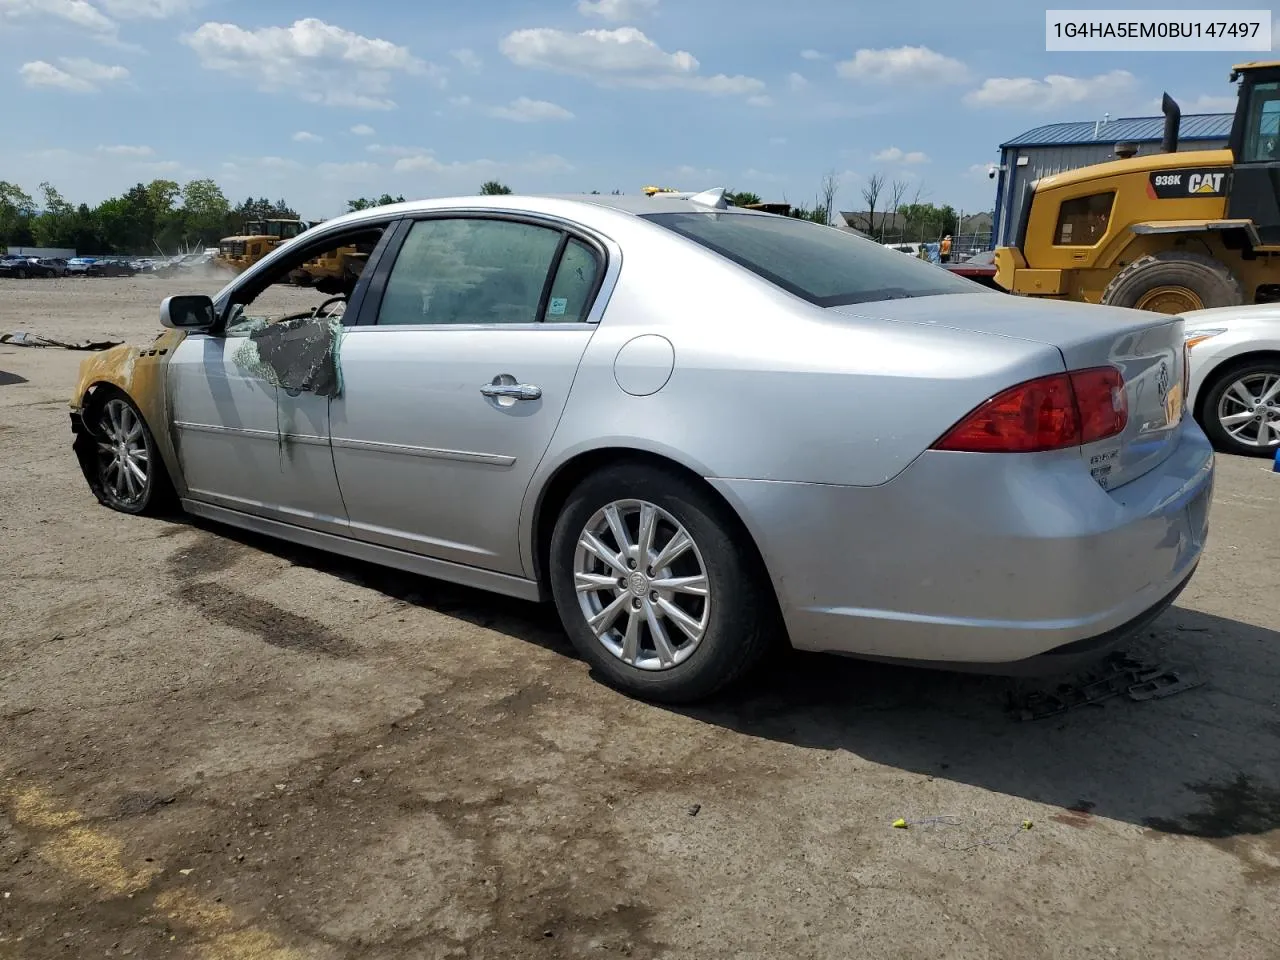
{"x":1050,"y":413}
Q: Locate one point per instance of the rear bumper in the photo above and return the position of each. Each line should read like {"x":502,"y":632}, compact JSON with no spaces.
{"x":981,"y":559}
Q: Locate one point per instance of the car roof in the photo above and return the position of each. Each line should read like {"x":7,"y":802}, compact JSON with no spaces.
{"x":562,"y":204}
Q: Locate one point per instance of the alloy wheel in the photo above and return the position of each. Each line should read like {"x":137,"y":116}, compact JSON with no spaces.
{"x":642,"y":584}
{"x":124,"y":459}
{"x":1249,"y":410}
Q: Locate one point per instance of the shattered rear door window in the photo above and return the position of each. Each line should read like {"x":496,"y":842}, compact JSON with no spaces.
{"x":469,"y":270}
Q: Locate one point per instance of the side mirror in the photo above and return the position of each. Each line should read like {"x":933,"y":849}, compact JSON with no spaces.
{"x":187,"y":312}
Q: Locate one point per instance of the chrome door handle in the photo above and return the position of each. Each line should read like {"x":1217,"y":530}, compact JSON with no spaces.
{"x":512,"y":391}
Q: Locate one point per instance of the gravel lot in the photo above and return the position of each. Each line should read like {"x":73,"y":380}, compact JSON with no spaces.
{"x":214,"y":746}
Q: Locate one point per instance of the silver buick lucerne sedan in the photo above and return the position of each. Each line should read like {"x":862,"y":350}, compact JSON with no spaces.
{"x":696,"y":428}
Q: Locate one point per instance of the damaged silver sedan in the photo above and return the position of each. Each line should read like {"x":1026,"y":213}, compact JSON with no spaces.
{"x":697,"y":429}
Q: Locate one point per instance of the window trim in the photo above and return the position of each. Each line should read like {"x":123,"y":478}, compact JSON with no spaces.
{"x":597,"y":300}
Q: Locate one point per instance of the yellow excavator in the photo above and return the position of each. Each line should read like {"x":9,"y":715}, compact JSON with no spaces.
{"x":1170,"y":232}
{"x":260,"y":237}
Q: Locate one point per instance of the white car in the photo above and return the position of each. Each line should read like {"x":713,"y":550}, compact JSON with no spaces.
{"x":1234,"y":391}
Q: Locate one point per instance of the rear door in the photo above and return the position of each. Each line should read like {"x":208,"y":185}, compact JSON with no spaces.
{"x":455,"y":379}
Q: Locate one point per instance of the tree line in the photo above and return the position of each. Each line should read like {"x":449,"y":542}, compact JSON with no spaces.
{"x":160,"y":216}
{"x":165,"y":216}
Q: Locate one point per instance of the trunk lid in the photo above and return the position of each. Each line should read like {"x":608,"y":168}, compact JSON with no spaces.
{"x":1146,"y":348}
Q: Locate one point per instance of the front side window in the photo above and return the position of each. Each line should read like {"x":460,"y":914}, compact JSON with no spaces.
{"x":824,"y":265}
{"x":475,"y":271}
{"x":1262,"y":135}
{"x":1082,"y":222}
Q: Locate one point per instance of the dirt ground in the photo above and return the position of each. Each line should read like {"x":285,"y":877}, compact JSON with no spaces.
{"x":214,"y":746}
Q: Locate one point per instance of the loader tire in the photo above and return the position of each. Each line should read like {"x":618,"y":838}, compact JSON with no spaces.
{"x":1174,"y":282}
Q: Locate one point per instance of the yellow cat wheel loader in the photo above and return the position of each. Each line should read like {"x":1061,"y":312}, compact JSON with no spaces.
{"x":260,"y":237}
{"x":1170,"y":232}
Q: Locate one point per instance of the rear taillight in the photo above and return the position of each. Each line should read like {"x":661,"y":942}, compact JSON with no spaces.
{"x":1050,"y":413}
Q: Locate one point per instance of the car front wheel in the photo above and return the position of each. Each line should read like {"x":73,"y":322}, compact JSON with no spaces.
{"x":128,"y":474}
{"x":656,"y":585}
{"x":1241,"y":412}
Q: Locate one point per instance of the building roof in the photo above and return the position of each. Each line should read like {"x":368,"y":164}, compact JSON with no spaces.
{"x":1195,"y":126}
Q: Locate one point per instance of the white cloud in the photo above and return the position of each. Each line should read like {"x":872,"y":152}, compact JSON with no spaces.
{"x":1053,"y":92}
{"x":363,"y":130}
{"x":760,"y":100}
{"x":796,"y":82}
{"x":896,"y":155}
{"x":777,"y":141}
{"x":393,"y":151}
{"x":918,"y":65}
{"x":77,"y":75}
{"x":468,"y":58}
{"x":361,"y":171}
{"x":427,"y":162}
{"x":524,"y":110}
{"x":1205,"y":103}
{"x":123,"y":150}
{"x":147,"y":9}
{"x":616,"y":10}
{"x":305,"y":136}
{"x":755,"y":175}
{"x":621,"y":57}
{"x":812,"y":55}
{"x":316,"y":61}
{"x":80,"y":13}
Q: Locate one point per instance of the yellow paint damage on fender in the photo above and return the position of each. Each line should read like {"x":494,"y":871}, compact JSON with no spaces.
{"x":137,"y":371}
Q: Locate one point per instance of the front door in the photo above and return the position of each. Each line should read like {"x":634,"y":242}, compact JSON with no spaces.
{"x":246,"y":444}
{"x":451,"y":394}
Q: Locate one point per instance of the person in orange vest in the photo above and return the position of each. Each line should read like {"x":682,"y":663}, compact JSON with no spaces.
{"x":945,"y":250}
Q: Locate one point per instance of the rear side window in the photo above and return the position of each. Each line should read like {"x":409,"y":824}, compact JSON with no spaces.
{"x":1082,"y":222}
{"x":574,"y":283}
{"x":469,"y":271}
{"x":824,"y":265}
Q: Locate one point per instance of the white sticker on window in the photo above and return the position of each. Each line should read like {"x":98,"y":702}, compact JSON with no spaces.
{"x":557,"y":306}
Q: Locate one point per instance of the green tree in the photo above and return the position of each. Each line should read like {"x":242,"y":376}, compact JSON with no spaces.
{"x":927,"y":221}
{"x":205,"y":211}
{"x":492,"y":188}
{"x":16,"y":212}
{"x":364,"y":203}
{"x":742,"y":198}
{"x":54,"y":226}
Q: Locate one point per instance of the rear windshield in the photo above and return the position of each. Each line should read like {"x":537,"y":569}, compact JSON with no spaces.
{"x":824,"y":265}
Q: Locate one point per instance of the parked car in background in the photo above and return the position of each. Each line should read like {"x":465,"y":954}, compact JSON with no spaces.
{"x":697,"y":429}
{"x":57,"y":264}
{"x":110,"y":268}
{"x":79,"y":265}
{"x":1235,"y":376}
{"x":22,"y":268}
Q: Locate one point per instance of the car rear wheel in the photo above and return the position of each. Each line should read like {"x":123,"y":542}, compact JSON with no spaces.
{"x":1241,"y":412}
{"x":129,"y":474}
{"x":656,"y":585}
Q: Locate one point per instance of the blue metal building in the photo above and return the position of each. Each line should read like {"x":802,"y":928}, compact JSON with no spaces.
{"x":1057,"y":147}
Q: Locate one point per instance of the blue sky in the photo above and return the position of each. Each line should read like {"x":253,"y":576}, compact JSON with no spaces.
{"x":321,"y":101}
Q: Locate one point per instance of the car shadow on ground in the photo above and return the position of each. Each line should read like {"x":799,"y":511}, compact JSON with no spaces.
{"x":1201,"y":763}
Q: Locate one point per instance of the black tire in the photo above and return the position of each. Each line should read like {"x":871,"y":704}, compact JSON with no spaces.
{"x":742,"y":618}
{"x":156,"y":495}
{"x":1206,"y":278}
{"x":20,"y":273}
{"x":1209,"y":408}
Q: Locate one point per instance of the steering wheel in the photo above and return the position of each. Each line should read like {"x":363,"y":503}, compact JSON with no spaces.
{"x":317,"y":311}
